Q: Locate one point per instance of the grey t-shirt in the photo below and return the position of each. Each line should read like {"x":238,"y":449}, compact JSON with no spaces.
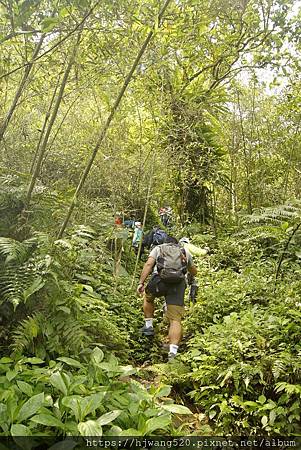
{"x":156,"y":251}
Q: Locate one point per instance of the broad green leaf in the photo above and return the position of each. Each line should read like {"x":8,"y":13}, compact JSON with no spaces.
{"x":5,"y":360}
{"x":58,"y":382}
{"x":65,"y":309}
{"x":3,"y":412}
{"x":157,"y":423}
{"x":163,"y":391}
{"x":90,"y":428}
{"x":73,"y":402}
{"x":97,"y":355}
{"x":70,"y":361}
{"x":30,"y":407}
{"x":130,"y":432}
{"x":253,"y":405}
{"x":272,"y":417}
{"x":11,"y":374}
{"x":91,"y":403}
{"x":128,"y":370}
{"x":177,"y":409}
{"x":149,"y":412}
{"x":34,"y":360}
{"x":264,"y":420}
{"x":109,"y":417}
{"x":212,"y":414}
{"x":19,"y":430}
{"x":115,"y":431}
{"x":25,"y":388}
{"x":261,"y":399}
{"x":12,"y":409}
{"x":37,"y":284}
{"x":48,"y":420}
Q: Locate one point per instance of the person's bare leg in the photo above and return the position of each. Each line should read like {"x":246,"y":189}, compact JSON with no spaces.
{"x":148,"y":309}
{"x":175,"y":332}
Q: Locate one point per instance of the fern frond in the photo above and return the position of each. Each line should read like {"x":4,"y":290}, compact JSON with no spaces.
{"x":18,"y":282}
{"x":277,"y":214}
{"x":26,"y":333}
{"x":12,"y":250}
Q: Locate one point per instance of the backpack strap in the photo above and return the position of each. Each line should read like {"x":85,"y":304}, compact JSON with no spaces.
{"x":184,"y":257}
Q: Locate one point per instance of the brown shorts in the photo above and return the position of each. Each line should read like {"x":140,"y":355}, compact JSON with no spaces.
{"x":174,"y":312}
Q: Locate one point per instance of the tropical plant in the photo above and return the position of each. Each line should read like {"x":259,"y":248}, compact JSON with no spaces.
{"x":88,"y":398}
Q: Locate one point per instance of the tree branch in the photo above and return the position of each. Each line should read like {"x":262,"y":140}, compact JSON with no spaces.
{"x":55,"y":45}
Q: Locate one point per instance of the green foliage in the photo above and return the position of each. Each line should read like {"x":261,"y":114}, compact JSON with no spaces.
{"x":78,"y":304}
{"x":246,"y":372}
{"x":212,"y":145}
{"x":243,"y":342}
{"x":69,"y":397}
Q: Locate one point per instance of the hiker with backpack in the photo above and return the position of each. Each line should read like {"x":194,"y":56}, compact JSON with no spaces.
{"x":165,"y":214}
{"x":155,"y":237}
{"x":137,"y":237}
{"x":169,"y":263}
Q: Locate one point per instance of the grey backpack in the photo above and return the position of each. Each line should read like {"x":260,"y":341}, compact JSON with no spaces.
{"x":172,"y":263}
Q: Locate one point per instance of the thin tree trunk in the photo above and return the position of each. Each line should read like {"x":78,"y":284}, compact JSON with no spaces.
{"x":110,"y":118}
{"x":213,"y":209}
{"x":289,"y":164}
{"x":233,"y":170}
{"x":284,"y":250}
{"x":47,"y":115}
{"x":59,"y":128}
{"x":43,"y":146}
{"x":20,"y":89}
{"x":249,"y":191}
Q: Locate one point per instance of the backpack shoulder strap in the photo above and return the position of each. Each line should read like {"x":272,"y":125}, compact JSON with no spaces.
{"x":184,"y":258}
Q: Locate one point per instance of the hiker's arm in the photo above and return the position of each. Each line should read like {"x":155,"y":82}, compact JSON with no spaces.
{"x":192,"y":270}
{"x":148,"y":267}
{"x":190,"y":264}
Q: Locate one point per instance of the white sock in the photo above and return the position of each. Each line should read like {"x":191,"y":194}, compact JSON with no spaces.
{"x":173,"y":348}
{"x":149,"y":323}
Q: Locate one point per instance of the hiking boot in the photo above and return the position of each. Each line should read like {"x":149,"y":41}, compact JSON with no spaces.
{"x":171,"y":356}
{"x":165,"y":348}
{"x":147,"y":331}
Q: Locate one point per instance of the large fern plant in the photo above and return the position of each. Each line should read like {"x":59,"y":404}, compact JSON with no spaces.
{"x":19,"y":275}
{"x":283,"y":222}
{"x":62,"y":295}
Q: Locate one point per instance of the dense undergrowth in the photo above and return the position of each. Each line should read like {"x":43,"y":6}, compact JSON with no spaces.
{"x":70,"y":323}
{"x":243,"y":349}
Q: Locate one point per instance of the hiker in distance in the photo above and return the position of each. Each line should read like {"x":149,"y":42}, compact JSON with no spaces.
{"x":169,"y":263}
{"x":154,"y":237}
{"x":137,"y":238}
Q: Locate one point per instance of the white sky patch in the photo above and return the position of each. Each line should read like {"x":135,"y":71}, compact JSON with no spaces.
{"x":267,"y":76}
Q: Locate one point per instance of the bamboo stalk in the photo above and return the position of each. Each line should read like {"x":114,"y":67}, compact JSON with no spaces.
{"x":106,"y":126}
{"x":52,"y":119}
{"x":20,"y":89}
{"x":47,"y":115}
